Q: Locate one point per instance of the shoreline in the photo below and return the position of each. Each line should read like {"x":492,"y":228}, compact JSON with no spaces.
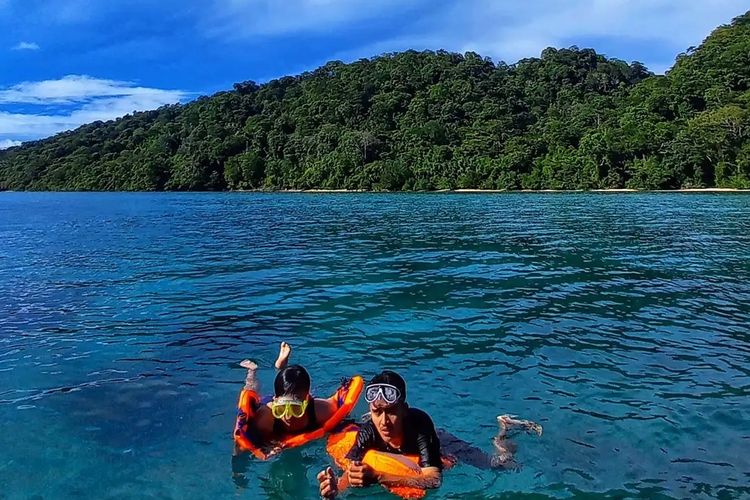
{"x":437,"y":191}
{"x":479,"y":191}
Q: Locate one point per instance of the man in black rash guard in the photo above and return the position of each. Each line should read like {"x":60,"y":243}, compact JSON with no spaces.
{"x":394,"y":428}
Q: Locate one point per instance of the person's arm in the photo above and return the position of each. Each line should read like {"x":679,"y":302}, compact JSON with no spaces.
{"x":263,"y":423}
{"x":430,"y":477}
{"x":358,"y":474}
{"x":240,"y":463}
{"x":365,"y":441}
{"x":260,"y":427}
{"x":328,"y":486}
{"x":430,"y":461}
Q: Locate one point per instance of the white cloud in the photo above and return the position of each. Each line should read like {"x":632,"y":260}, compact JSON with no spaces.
{"x":8,"y":143}
{"x":502,"y":29}
{"x":81,"y":88}
{"x":26,"y":46}
{"x":85,"y":99}
{"x":517,"y":30}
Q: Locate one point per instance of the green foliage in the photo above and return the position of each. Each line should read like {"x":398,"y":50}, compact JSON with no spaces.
{"x":570,"y":119}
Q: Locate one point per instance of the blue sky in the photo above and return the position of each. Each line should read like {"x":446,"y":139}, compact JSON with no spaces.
{"x":69,"y":62}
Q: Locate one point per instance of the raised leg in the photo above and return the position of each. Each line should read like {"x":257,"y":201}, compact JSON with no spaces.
{"x":285,"y":350}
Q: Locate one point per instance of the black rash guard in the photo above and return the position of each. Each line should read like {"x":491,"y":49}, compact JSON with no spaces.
{"x":420,"y":439}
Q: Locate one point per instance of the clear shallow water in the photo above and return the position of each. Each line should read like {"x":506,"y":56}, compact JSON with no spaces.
{"x":620,"y":322}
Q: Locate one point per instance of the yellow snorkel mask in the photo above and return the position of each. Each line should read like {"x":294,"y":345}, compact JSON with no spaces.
{"x":288,"y":408}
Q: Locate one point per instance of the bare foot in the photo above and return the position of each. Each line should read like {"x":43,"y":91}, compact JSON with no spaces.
{"x":508,"y":422}
{"x":285,"y":350}
{"x":246,"y":363}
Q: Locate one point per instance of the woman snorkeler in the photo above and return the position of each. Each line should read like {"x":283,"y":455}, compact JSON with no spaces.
{"x":292,"y":410}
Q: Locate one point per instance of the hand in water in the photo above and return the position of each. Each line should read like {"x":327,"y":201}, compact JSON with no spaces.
{"x":274,"y":451}
{"x":328,"y":483}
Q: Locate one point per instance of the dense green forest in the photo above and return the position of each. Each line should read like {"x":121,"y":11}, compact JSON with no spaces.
{"x":570,"y":119}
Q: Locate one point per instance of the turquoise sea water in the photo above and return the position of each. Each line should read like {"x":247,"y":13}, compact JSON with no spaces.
{"x":621,"y":322}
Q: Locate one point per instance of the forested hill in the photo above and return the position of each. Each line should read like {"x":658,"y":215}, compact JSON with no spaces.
{"x":571,"y":119}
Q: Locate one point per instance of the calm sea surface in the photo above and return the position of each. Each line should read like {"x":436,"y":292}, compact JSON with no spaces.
{"x":620,"y":322}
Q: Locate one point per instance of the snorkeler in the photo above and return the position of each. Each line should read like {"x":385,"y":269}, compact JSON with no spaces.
{"x":292,"y":417}
{"x":292,"y":410}
{"x":396,"y":428}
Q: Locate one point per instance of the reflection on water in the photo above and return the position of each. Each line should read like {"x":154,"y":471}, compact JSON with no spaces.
{"x":617,"y":321}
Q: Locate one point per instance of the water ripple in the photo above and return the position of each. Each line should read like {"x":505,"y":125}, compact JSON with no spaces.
{"x":619,"y":322}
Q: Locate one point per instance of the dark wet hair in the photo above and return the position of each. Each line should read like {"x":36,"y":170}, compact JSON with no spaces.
{"x":392,"y":378}
{"x":291,"y":381}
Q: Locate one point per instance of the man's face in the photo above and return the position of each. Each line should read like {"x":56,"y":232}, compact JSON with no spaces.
{"x":388,"y":419}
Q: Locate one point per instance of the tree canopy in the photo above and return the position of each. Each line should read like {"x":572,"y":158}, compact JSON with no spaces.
{"x":570,"y":119}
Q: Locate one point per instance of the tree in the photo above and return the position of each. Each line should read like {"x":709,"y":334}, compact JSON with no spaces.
{"x":569,"y":119}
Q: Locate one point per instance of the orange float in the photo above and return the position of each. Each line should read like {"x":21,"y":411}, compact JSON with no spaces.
{"x":340,"y":443}
{"x":346,"y":397}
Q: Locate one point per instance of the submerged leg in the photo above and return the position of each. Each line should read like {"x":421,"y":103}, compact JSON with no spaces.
{"x":285,"y":350}
{"x":509,"y":422}
{"x":505,"y":447}
{"x":463,"y":452}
